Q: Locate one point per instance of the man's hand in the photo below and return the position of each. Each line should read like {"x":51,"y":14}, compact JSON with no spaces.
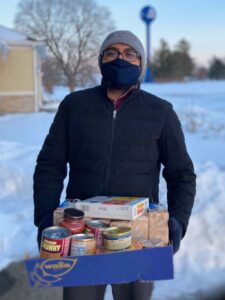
{"x":175,"y":233}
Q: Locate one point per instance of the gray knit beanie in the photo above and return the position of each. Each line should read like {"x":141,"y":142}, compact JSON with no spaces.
{"x":128,"y":38}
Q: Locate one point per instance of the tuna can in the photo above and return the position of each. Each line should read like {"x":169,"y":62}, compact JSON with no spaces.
{"x":96,"y":227}
{"x":117,"y":238}
{"x":55,"y":242}
{"x":73,"y":220}
{"x":83,"y":244}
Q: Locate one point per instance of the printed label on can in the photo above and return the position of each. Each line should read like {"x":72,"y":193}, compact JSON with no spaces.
{"x":83,"y":244}
{"x":55,"y":242}
{"x":117,"y":238}
{"x":117,"y":243}
{"x":96,"y":227}
{"x":78,"y":249}
{"x":98,"y":234}
{"x":53,"y":248}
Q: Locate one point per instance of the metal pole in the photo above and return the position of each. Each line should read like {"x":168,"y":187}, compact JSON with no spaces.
{"x":148,"y":15}
{"x":148,"y":44}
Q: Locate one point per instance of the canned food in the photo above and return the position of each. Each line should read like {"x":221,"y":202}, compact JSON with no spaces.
{"x":73,"y":220}
{"x":117,"y":238}
{"x":83,"y":244}
{"x":55,"y":242}
{"x":96,"y":227}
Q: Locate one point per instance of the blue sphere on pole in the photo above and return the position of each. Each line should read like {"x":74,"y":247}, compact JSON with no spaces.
{"x":148,"y":15}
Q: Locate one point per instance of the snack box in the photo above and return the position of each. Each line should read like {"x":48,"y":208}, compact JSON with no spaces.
{"x":148,"y":264}
{"x":124,"y":208}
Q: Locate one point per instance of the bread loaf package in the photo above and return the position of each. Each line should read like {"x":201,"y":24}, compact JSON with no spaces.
{"x":139,"y":227}
{"x":158,"y":225}
{"x":57,"y":215}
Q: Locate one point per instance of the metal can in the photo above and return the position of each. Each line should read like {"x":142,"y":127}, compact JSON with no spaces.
{"x":55,"y":242}
{"x":83,"y":244}
{"x":73,"y":220}
{"x":96,"y":227}
{"x":117,"y":238}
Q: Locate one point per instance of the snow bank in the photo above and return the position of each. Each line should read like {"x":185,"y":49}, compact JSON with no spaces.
{"x":17,"y":231}
{"x":200,"y":263}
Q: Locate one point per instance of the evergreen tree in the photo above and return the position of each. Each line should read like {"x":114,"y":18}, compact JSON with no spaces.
{"x":217,"y":69}
{"x":172,"y":65}
{"x":183,"y":64}
{"x":162,"y":62}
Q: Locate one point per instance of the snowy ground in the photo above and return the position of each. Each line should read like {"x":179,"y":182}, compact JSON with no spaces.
{"x":200,"y":263}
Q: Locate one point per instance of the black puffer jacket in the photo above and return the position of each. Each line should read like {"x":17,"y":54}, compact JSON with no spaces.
{"x":117,"y":155}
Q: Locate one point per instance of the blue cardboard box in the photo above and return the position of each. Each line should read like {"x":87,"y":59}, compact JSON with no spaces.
{"x":117,"y":267}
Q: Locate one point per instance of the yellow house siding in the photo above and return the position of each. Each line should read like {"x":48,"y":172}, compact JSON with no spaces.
{"x":16,"y":73}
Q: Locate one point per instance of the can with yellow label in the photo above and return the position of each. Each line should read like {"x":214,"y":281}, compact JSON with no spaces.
{"x":117,"y":238}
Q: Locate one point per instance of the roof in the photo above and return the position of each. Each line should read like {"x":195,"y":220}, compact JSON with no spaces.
{"x":12,"y":37}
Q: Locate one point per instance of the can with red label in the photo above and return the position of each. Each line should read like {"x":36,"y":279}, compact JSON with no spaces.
{"x":55,"y":242}
{"x":96,"y":227}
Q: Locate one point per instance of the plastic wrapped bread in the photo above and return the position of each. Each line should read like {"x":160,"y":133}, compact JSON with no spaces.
{"x":118,"y":223}
{"x":139,"y":227}
{"x":57,"y":215}
{"x":158,"y":225}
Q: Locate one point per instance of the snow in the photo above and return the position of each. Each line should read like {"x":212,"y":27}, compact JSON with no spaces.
{"x":200,"y":263}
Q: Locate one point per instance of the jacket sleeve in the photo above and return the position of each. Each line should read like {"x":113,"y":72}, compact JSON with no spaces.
{"x":51,"y":167}
{"x":178,"y":169}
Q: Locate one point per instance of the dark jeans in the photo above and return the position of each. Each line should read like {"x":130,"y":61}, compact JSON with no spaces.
{"x":127,"y":291}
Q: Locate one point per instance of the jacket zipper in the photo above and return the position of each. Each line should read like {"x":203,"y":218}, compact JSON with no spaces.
{"x":108,"y":171}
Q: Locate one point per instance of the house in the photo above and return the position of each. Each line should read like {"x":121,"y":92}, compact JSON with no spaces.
{"x":20,"y":72}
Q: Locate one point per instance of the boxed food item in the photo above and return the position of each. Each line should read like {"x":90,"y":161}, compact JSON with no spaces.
{"x":147,"y":258}
{"x":125,"y":208}
{"x":57,"y":216}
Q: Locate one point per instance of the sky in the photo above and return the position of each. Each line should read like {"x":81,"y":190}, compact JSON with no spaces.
{"x":201,"y":22}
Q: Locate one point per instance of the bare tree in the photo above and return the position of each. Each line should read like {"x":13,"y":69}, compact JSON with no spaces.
{"x":71,"y":29}
{"x":52,"y":74}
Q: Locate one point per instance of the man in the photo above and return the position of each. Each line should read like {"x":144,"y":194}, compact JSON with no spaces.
{"x":115,"y":138}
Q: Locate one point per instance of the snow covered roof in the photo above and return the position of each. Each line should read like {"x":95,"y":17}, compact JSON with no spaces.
{"x":9,"y":35}
{"x":12,"y":37}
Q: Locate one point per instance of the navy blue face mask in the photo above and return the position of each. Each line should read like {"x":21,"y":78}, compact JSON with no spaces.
{"x":120,"y":73}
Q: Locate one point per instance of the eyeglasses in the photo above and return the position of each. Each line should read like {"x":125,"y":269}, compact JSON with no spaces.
{"x":128,"y":54}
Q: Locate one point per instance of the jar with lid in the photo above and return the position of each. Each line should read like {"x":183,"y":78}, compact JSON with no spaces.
{"x":73,"y":220}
